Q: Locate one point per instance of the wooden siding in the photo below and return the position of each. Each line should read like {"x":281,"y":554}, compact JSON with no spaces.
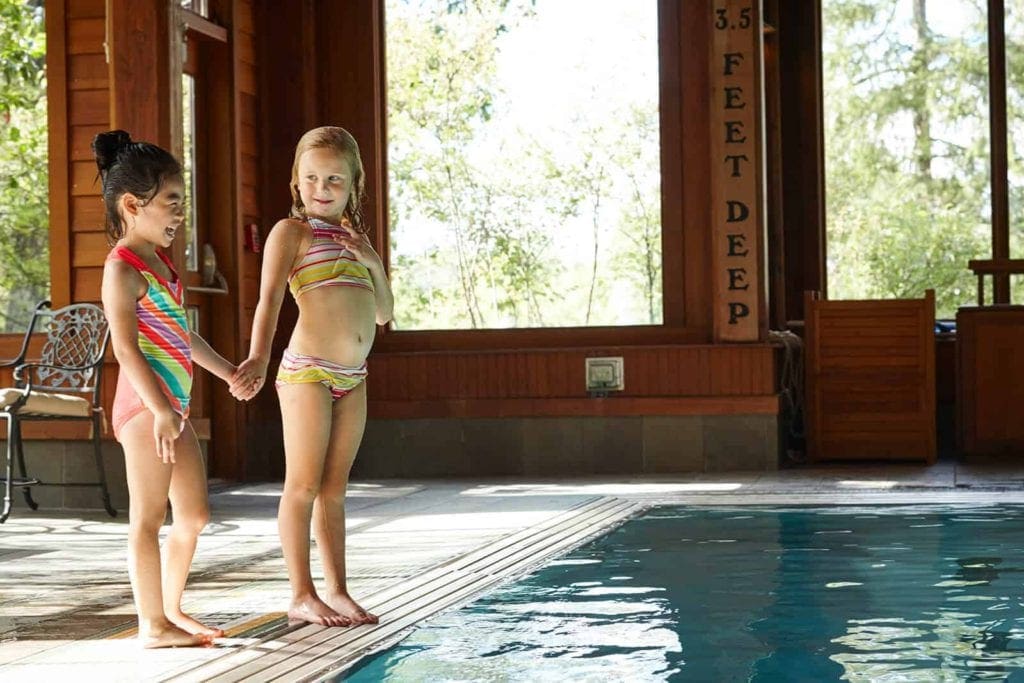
{"x":79,"y":107}
{"x":870,"y":373}
{"x":735,"y":379}
{"x":990,"y":379}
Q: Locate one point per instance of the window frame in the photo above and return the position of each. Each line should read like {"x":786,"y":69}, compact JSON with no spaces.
{"x":683,"y":84}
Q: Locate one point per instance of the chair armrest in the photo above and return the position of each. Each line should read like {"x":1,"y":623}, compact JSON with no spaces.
{"x":22,"y":373}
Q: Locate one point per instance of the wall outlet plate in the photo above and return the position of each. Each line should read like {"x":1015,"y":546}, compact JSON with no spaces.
{"x":605,"y":374}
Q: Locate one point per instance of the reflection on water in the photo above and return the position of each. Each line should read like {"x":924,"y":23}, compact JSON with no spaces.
{"x":896,"y":593}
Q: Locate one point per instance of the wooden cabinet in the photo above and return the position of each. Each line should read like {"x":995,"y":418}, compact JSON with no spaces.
{"x":990,"y":379}
{"x":870,"y":379}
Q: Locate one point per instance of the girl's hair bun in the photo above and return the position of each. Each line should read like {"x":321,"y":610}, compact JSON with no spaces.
{"x":106,"y":146}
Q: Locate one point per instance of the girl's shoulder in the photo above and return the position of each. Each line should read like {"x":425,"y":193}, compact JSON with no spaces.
{"x":120,"y":273}
{"x":290,"y":231}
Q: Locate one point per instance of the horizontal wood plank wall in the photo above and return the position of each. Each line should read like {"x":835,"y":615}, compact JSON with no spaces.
{"x":234,"y":101}
{"x":76,"y":187}
{"x":870,"y":377}
{"x":660,"y":379}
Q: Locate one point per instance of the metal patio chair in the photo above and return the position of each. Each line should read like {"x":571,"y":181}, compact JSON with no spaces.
{"x":63,"y":384}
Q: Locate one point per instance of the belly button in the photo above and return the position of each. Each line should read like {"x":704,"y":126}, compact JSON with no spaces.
{"x":359,"y":337}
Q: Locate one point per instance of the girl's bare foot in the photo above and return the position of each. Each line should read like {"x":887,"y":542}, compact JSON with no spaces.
{"x":193,"y":626}
{"x":169,"y":635}
{"x":343,"y":604}
{"x":312,"y":609}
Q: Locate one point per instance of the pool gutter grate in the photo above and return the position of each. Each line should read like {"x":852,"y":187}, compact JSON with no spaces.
{"x":311,"y":652}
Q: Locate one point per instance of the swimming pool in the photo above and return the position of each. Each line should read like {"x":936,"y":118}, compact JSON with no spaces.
{"x":907,"y":593}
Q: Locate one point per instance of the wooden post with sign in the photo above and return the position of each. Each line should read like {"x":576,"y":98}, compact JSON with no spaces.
{"x":736,"y":171}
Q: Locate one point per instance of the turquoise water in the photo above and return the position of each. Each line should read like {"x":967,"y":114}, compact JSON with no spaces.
{"x":893,"y":593}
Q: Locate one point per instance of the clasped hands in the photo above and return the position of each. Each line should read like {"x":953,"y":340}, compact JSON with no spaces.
{"x":248,"y":378}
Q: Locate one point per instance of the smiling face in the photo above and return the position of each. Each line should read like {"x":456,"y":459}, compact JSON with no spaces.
{"x":325,"y":183}
{"x":156,"y":221}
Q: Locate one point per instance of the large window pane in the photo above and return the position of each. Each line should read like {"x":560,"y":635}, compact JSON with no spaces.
{"x":523,"y":159}
{"x":908,"y":198}
{"x":188,"y":154}
{"x":24,"y":209}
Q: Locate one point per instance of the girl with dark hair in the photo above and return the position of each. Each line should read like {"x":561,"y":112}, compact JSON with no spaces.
{"x":144,"y":195}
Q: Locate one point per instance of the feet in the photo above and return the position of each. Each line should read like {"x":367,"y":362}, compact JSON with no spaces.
{"x":169,"y":635}
{"x":343,"y":604}
{"x":315,"y":611}
{"x":196,"y":628}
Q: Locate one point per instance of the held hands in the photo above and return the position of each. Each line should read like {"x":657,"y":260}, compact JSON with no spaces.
{"x":359,"y":245}
{"x":248,"y":378}
{"x":167,"y":427}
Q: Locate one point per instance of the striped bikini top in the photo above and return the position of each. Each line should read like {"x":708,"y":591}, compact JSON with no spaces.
{"x":327,"y":263}
{"x":164,"y":337}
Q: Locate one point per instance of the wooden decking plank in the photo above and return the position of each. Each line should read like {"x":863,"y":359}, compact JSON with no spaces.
{"x":300,"y":652}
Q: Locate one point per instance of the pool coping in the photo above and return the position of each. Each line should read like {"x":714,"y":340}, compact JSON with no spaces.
{"x":310,"y":652}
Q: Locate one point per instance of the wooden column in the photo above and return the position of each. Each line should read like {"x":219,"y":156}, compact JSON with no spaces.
{"x":737,"y":216}
{"x":137,"y":50}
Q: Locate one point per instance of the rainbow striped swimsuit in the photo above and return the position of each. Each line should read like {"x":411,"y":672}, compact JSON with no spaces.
{"x":164,"y":340}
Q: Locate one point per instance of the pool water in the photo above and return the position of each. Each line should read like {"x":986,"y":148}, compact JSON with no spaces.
{"x":880,"y":593}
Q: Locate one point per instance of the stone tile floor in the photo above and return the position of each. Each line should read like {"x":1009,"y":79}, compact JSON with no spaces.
{"x":65,"y":599}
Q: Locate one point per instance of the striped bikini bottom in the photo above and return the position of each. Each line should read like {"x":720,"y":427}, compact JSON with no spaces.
{"x":299,"y":369}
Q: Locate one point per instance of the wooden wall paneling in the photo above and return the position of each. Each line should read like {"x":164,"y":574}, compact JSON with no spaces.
{"x":88,"y":72}
{"x":694,"y":45}
{"x":803,"y":151}
{"x":774,"y":178}
{"x":671,"y":114}
{"x":871,"y":379}
{"x":85,"y":34}
{"x":84,"y":9}
{"x":57,"y":151}
{"x":990,"y":380}
{"x":90,"y":249}
{"x":140,"y":87}
{"x":87,"y":107}
{"x":88,"y":213}
{"x":81,"y":143}
{"x":358,"y":66}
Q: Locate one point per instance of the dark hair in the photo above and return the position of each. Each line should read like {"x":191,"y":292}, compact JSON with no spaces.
{"x":125,"y":165}
{"x":341,"y":142}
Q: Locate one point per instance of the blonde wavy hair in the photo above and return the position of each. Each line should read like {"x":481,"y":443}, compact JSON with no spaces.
{"x":340,"y":141}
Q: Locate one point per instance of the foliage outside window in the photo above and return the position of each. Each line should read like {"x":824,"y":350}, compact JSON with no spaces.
{"x":24,"y":208}
{"x":524,"y":163}
{"x":908,"y":198}
{"x":188,"y":154}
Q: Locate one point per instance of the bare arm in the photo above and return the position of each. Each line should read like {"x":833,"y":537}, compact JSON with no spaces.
{"x":204,"y":355}
{"x":382,"y":294}
{"x":283,"y":245}
{"x":364,"y":252}
{"x":122,"y":288}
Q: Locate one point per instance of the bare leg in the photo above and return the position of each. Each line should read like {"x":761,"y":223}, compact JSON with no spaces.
{"x":306,"y":420}
{"x":190,"y":513}
{"x":329,"y":508}
{"x":149,"y":480}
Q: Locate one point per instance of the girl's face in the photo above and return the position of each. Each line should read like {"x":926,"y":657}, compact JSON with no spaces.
{"x":157,"y":221}
{"x":325,"y":182}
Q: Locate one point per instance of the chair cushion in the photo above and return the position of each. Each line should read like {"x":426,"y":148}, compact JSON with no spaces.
{"x":48,"y":403}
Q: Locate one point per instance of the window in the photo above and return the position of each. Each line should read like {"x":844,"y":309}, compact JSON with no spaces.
{"x":24,"y":186}
{"x":907,"y":160}
{"x":190,"y":163}
{"x":524,"y":163}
